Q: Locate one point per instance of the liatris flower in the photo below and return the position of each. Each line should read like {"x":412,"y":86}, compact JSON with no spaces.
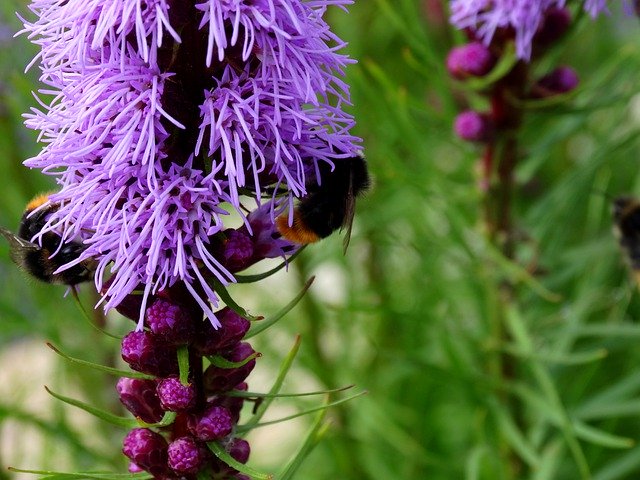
{"x":161,"y":118}
{"x":524,"y":18}
{"x":162,"y":112}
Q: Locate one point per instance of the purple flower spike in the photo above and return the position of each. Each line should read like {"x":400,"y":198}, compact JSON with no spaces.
{"x":214,"y":423}
{"x":145,"y":353}
{"x":147,"y":449}
{"x":185,"y":455}
{"x":170,"y":321}
{"x":174,"y":396}
{"x":140,"y":398}
{"x":154,"y":135}
{"x":523,"y":17}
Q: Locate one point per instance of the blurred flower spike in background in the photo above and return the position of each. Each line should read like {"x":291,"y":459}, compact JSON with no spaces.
{"x":158,"y":115}
{"x":522,"y":19}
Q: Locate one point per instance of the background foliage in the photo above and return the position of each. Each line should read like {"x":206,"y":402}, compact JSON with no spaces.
{"x":462,"y":384}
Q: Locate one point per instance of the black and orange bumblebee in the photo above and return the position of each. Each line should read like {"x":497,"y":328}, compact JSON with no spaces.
{"x":329,"y":205}
{"x":43,"y":259}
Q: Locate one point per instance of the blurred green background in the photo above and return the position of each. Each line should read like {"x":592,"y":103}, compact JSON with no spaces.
{"x":413,"y":313}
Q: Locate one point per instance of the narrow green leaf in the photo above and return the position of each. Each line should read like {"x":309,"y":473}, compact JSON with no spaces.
{"x":518,"y":329}
{"x":622,"y":468}
{"x":104,"y":415}
{"x":600,"y":437}
{"x":245,"y":394}
{"x":183,"y":364}
{"x":549,"y":461}
{"x":261,"y":276}
{"x":473,"y":464}
{"x":317,"y":431}
{"x":262,"y":325}
{"x":88,"y":318}
{"x":629,"y":408}
{"x":224,"y":295}
{"x":514,"y":437}
{"x":223,"y":455}
{"x":221,"y":362}
{"x":167,"y":419}
{"x":99,"y":475}
{"x":504,"y":66}
{"x":277,"y":385}
{"x":102,"y":368}
{"x":555,"y":358}
{"x":609,"y":330}
{"x":244,"y":428}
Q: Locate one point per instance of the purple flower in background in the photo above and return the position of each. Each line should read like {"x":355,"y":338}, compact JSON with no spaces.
{"x":160,"y":117}
{"x":523,"y":17}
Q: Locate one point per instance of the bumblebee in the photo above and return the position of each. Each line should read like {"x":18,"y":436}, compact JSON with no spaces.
{"x":41,"y":261}
{"x":626,"y":215}
{"x":328,"y":206}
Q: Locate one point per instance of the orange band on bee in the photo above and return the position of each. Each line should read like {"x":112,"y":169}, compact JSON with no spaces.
{"x":297,"y":232}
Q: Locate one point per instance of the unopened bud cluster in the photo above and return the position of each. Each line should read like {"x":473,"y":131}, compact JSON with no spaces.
{"x":477,"y":60}
{"x":204,"y":409}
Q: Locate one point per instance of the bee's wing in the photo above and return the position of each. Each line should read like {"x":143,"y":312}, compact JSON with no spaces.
{"x":18,"y":246}
{"x":349,"y":212}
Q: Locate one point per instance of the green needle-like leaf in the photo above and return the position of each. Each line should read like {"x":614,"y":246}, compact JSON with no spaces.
{"x":102,"y":414}
{"x":261,"y":276}
{"x":244,"y":428}
{"x":317,"y":431}
{"x":102,"y":368}
{"x":71,"y":476}
{"x":277,"y":385}
{"x":221,"y":362}
{"x":223,"y":455}
{"x":224,"y":295}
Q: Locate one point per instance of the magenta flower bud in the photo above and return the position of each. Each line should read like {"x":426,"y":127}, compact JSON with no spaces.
{"x":214,"y":423}
{"x":239,"y":449}
{"x":174,"y":396}
{"x":146,"y":353}
{"x":233,"y":329}
{"x":555,"y":24}
{"x":170,"y":322}
{"x":218,"y":379}
{"x":147,"y":449}
{"x":140,"y":398}
{"x":237,"y":250}
{"x":473,"y":59}
{"x":185,"y":455}
{"x":561,"y":80}
{"x":473,"y":126}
